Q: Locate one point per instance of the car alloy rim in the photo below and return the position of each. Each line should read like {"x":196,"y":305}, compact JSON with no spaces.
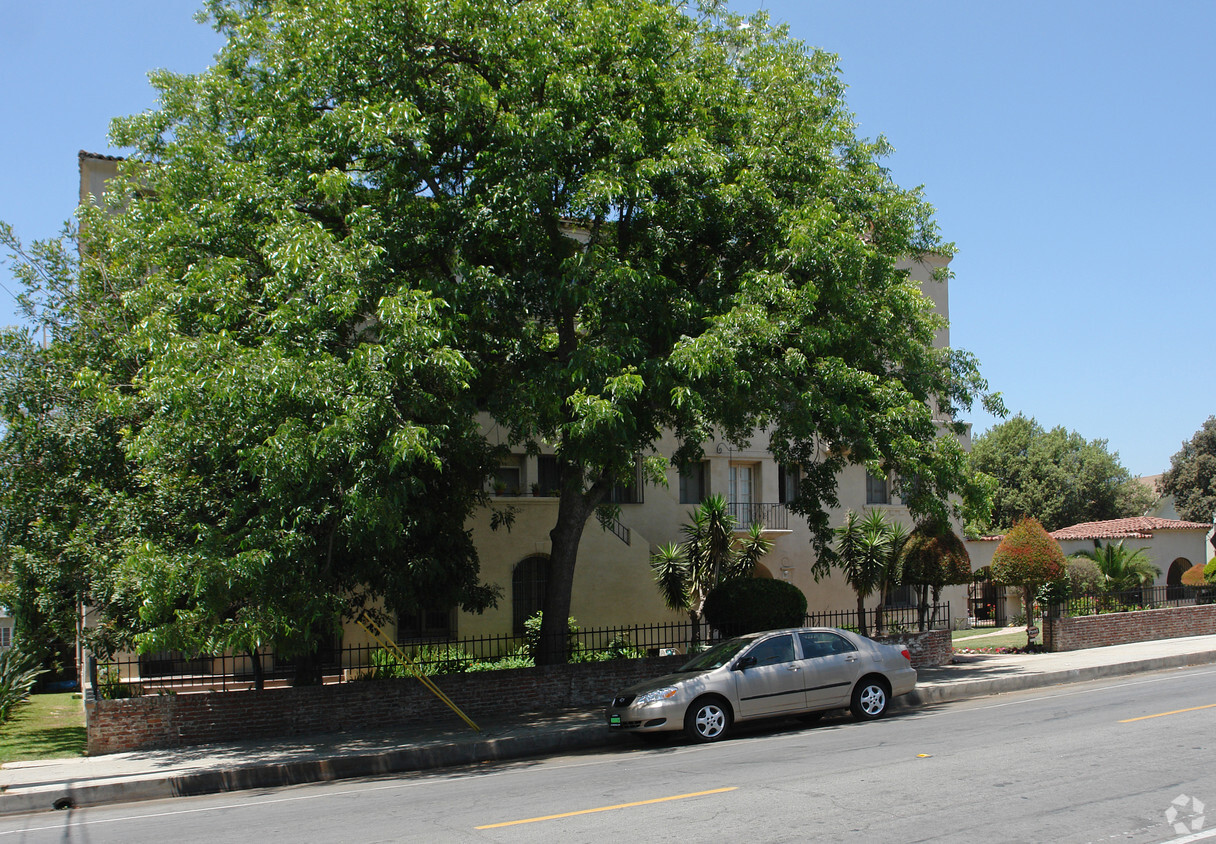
{"x":710,"y":721}
{"x":873,"y":699}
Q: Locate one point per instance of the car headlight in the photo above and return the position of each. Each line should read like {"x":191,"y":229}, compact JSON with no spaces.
{"x":656,"y":696}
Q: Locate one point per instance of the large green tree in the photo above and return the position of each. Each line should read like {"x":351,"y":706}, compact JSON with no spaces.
{"x":1191,"y":478}
{"x":1056,"y":476}
{"x":595,"y":220}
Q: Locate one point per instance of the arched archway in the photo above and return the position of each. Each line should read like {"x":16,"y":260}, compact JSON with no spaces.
{"x":1173,"y":579}
{"x":761,"y":571}
{"x":529,"y":580}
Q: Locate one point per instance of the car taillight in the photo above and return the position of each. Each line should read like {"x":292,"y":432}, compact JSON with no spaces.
{"x":907,"y":655}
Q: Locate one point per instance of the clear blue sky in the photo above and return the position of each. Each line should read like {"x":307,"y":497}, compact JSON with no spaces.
{"x":1065,"y":145}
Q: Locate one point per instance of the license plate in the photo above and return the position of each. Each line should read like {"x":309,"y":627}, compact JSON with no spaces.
{"x":614,"y":720}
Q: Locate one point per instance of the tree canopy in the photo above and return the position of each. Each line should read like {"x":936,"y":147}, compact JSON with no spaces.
{"x":594,"y":220}
{"x":1027,"y":557}
{"x":1056,"y":476}
{"x":1191,"y":478}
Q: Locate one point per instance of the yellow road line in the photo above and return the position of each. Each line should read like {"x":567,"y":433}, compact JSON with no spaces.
{"x":1163,"y":714}
{"x":608,"y":808}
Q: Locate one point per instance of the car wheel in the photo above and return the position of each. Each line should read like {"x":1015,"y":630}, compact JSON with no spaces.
{"x":707,"y":719}
{"x":870,"y":698}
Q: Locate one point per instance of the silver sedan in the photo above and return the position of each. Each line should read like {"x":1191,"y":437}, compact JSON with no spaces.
{"x":779,"y":672}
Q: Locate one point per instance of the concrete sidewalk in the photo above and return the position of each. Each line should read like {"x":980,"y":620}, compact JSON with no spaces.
{"x":147,"y":775}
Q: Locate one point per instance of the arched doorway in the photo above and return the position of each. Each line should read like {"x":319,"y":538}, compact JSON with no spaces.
{"x":528,"y":587}
{"x":1173,"y":579}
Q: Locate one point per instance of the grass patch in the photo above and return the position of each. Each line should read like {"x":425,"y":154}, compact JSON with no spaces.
{"x":44,"y":727}
{"x":1006,"y":640}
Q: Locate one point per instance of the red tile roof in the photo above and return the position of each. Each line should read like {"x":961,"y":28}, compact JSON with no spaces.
{"x":1140,"y":527}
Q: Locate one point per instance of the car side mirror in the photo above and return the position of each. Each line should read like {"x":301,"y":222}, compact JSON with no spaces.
{"x":746,"y":662}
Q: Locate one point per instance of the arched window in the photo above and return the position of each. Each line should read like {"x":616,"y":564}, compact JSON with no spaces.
{"x":528,"y":583}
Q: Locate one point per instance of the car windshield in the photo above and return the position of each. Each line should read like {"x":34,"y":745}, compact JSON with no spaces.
{"x":717,"y":656}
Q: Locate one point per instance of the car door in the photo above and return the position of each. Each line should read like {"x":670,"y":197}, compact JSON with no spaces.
{"x":831,"y":665}
{"x":768,"y":678}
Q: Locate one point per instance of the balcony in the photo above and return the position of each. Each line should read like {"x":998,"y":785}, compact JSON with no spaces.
{"x":771,"y":517}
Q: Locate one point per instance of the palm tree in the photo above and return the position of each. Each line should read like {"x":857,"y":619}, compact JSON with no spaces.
{"x":892,"y":575}
{"x":1123,"y":569}
{"x":863,"y":551}
{"x":709,"y":555}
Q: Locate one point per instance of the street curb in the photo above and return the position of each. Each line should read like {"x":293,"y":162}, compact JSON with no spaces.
{"x":486,"y":749}
{"x":276,"y":775}
{"x":929,"y":694}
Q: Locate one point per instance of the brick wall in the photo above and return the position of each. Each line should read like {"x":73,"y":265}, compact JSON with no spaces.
{"x":1096,"y":631}
{"x":927,"y":649}
{"x":202,"y":718}
{"x":189,"y":719}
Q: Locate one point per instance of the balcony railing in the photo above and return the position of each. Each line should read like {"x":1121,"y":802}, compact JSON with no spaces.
{"x":769,"y":516}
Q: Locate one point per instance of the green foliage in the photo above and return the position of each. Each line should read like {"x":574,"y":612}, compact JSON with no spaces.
{"x":520,"y":659}
{"x":868,"y":553}
{"x":374,"y":220}
{"x":532,"y":636}
{"x":111,"y":686}
{"x":1122,"y":568}
{"x":1056,"y":476}
{"x":933,"y":557}
{"x":18,"y":673}
{"x":1209,"y":571}
{"x":1084,"y":576}
{"x":709,"y":555}
{"x":747,"y":605}
{"x":1191,"y":478}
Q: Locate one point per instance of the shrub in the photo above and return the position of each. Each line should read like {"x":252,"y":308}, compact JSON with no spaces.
{"x":748,"y":605}
{"x":519,"y":659}
{"x":532,"y":636}
{"x":1209,"y":571}
{"x":1084,"y":575}
{"x":1194,"y":576}
{"x":110,"y":685}
{"x":18,"y":673}
{"x":441,"y":659}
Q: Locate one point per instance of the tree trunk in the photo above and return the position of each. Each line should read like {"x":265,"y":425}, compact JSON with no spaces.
{"x":880,"y":623}
{"x":861,"y":614}
{"x":259,"y":679}
{"x":573,"y":510}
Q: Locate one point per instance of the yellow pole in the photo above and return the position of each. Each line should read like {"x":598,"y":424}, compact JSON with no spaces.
{"x":383,"y":641}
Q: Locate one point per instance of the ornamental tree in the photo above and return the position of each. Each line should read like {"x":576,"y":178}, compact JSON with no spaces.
{"x":1194,"y":576}
{"x":1027,"y":557}
{"x":933,"y":557}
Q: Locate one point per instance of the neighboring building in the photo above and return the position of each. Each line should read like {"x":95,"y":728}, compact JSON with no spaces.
{"x":1171,"y":545}
{"x":613,"y":582}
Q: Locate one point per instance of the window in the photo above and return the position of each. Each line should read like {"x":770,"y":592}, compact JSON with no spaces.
{"x":901,"y":596}
{"x":774,"y":651}
{"x":528,"y":583}
{"x":425,"y":623}
{"x":742,"y":487}
{"x":693,"y":488}
{"x":788,"y":478}
{"x":548,"y":477}
{"x":506,"y":479}
{"x":631,"y":492}
{"x":820,"y":643}
{"x":6,"y":637}
{"x":877,"y":490}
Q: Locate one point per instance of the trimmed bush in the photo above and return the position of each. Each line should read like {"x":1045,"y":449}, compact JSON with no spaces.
{"x":1194,"y":576}
{"x":749,"y":605}
{"x":1209,"y":571}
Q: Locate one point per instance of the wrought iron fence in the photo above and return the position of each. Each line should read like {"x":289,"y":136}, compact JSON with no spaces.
{"x":171,"y":671}
{"x":1145,"y":598}
{"x":901,"y":619}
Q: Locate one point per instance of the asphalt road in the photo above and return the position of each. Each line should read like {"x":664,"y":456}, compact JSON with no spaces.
{"x":1093,"y":762}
